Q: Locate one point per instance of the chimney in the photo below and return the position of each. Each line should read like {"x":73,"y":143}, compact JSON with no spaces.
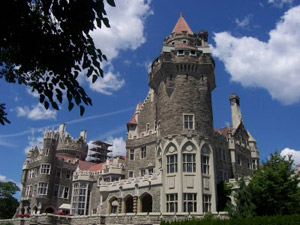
{"x":62,"y":129}
{"x":236,"y":115}
{"x":83,"y":134}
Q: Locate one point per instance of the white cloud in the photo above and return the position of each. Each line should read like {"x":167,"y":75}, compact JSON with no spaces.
{"x":2,"y":178}
{"x":109,"y":83}
{"x":280,"y":3}
{"x":37,"y":112}
{"x":244,"y":23}
{"x":292,"y":152}
{"x":272,"y":65}
{"x":32,"y":93}
{"x":126,"y":33}
{"x":118,"y":146}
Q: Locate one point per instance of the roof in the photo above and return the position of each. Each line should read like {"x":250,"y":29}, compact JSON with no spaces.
{"x":133,"y":118}
{"x":224,"y":130}
{"x":181,"y":26}
{"x":85,"y":165}
{"x":97,"y":167}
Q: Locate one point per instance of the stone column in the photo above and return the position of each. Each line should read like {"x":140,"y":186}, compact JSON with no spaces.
{"x":121,"y":208}
{"x":139,"y":205}
{"x":108,"y":207}
{"x":135,"y":204}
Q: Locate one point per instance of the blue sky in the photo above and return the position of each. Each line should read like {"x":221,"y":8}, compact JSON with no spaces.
{"x":256,"y":47}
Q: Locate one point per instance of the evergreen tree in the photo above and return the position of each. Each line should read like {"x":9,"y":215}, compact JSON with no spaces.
{"x":8,"y":204}
{"x":224,"y":191}
{"x":242,"y":206}
{"x":274,"y":187}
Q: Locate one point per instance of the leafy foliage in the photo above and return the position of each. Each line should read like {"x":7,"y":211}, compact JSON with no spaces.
{"x":8,"y":204}
{"x":274,"y":187}
{"x":224,"y":191}
{"x":45,"y":44}
{"x":264,"y":220}
{"x":243,"y":206}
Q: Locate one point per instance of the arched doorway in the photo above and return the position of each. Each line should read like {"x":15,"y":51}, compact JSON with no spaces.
{"x":146,"y":201}
{"x":113,"y":205}
{"x":129,"y":204}
{"x":49,"y":210}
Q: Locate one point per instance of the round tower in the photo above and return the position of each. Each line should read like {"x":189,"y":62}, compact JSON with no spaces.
{"x":182,"y":77}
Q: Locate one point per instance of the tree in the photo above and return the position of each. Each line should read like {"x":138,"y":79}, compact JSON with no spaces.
{"x":243,"y":205}
{"x":8,"y":204}
{"x":274,"y":187}
{"x":45,"y":44}
{"x":224,"y":191}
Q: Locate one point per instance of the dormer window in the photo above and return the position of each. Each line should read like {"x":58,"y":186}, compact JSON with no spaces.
{"x":180,"y":52}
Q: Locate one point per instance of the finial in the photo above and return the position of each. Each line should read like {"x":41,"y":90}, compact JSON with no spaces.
{"x":180,"y":14}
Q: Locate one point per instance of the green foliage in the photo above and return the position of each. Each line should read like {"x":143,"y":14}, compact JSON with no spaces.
{"x":45,"y":44}
{"x":224,"y":191}
{"x":8,"y":204}
{"x":265,"y":220}
{"x":243,"y":206}
{"x":274,"y":187}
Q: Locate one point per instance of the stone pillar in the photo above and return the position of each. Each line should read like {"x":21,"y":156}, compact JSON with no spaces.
{"x":139,"y":205}
{"x":108,"y":207}
{"x":135,"y":204}
{"x":121,"y":208}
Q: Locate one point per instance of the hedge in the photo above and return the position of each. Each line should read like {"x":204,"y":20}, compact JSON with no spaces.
{"x":263,"y":220}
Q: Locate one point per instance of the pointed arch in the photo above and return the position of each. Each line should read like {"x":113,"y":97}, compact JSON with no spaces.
{"x":128,"y":203}
{"x":146,"y":200}
{"x":113,"y":205}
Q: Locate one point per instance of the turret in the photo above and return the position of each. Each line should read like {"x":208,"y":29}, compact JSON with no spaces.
{"x":236,"y":115}
{"x":182,"y":78}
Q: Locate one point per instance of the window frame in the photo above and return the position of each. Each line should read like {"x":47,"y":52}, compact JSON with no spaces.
{"x":172,"y":165}
{"x":42,"y":188}
{"x":206,"y":199}
{"x":143,"y":152}
{"x":188,"y":121}
{"x":47,"y":170}
{"x":131,"y":154}
{"x":189,"y":202}
{"x":172,"y":202}
{"x":189,"y":166}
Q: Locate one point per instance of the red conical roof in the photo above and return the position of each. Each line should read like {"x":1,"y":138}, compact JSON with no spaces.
{"x":181,"y":26}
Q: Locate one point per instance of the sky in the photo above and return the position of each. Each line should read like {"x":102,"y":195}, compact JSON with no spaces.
{"x":256,"y":48}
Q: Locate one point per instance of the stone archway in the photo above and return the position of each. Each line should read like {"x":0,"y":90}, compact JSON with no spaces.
{"x":146,"y":202}
{"x":128,"y":204}
{"x":113,"y":205}
{"x":49,"y":210}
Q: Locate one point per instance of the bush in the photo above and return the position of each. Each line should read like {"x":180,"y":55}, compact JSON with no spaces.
{"x":264,"y":220}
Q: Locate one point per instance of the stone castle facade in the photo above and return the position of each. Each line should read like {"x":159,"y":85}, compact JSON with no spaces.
{"x":174,"y":155}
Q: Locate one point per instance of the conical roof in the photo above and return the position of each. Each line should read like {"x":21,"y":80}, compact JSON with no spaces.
{"x":182,"y":26}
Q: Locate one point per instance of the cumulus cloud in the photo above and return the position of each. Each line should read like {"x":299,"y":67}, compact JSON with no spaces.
{"x":292,"y":152}
{"x":272,"y":65}
{"x":126,"y":33}
{"x":37,"y":112}
{"x":118,"y":146}
{"x":244,"y":23}
{"x":2,"y":178}
{"x":280,"y":3}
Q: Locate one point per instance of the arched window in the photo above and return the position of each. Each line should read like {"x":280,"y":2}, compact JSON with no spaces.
{"x":189,"y":159}
{"x":205,"y":160}
{"x":146,"y":201}
{"x":172,"y":160}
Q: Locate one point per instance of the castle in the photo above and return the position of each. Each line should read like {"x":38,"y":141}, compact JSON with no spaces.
{"x":174,"y":155}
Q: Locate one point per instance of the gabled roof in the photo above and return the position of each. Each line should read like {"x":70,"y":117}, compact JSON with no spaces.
{"x":85,"y":165}
{"x":97,"y":167}
{"x":224,"y":130}
{"x":181,"y":26}
{"x":133,"y":118}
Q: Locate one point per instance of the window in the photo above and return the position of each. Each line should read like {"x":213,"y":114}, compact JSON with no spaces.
{"x":147,"y":127}
{"x":188,"y":122}
{"x":143,"y":172}
{"x":172,"y":205}
{"x":193,"y":53}
{"x":150,"y":171}
{"x":34,"y":190}
{"x":43,"y":187}
{"x":61,"y":191}
{"x":58,"y":172}
{"x":45,"y":169}
{"x":206,"y":203}
{"x":69,"y":174}
{"x":223,"y":155}
{"x":55,"y":193}
{"x":28,"y":191}
{"x":180,"y":52}
{"x":131,"y":154}
{"x":248,"y":164}
{"x":130,"y":173}
{"x":189,"y":162}
{"x":253,"y":164}
{"x":239,"y":161}
{"x":143,"y":152}
{"x":205,"y":164}
{"x":189,"y":202}
{"x":66,"y":193}
{"x":171,"y":163}
{"x":80,"y":199}
{"x":47,"y":152}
